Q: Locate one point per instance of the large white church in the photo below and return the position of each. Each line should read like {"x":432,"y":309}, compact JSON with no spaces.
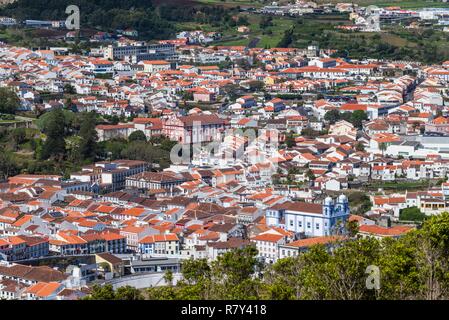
{"x":312,"y":219}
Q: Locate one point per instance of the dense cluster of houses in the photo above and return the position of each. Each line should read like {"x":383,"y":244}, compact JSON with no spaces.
{"x":269,"y":167}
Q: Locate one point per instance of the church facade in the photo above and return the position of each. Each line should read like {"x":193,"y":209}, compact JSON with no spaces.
{"x":311,"y":219}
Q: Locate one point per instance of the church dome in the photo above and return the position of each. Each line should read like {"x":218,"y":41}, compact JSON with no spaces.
{"x":328,"y":201}
{"x":342,"y":198}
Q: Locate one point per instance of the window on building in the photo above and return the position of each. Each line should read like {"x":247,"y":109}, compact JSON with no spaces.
{"x":308,"y":225}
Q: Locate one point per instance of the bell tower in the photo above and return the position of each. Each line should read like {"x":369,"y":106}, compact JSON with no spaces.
{"x":328,"y":208}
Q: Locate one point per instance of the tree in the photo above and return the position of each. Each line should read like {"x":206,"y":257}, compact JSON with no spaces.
{"x":311,"y":285}
{"x":332,"y":116}
{"x":70,"y":120}
{"x":432,"y":249}
{"x":399,"y":271}
{"x":310,"y":175}
{"x":352,"y":228}
{"x":290,"y":140}
{"x":256,"y":85}
{"x":195,"y":270}
{"x":168,"y":277}
{"x":231,"y":90}
{"x":54,"y":145}
{"x":128,"y":293}
{"x":69,"y":89}
{"x":287,"y":39}
{"x":283,"y":279}
{"x":242,"y":21}
{"x":107,"y":292}
{"x":89,"y":137}
{"x":234,"y":271}
{"x":414,"y":266}
{"x":137,"y":135}
{"x":345,"y":272}
{"x":360,"y":202}
{"x":411,"y":214}
{"x":358,"y":117}
{"x":17,"y":137}
{"x":187,"y":96}
{"x":265,"y":22}
{"x":8,"y":166}
{"x":9,"y":102}
{"x":383,"y":147}
{"x":360,"y":147}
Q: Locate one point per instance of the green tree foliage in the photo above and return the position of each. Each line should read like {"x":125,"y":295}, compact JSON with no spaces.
{"x":256,"y":85}
{"x":137,"y":135}
{"x":411,"y":214}
{"x":231,"y":276}
{"x":17,"y":137}
{"x":54,"y":145}
{"x":266,"y":22}
{"x":9,"y":102}
{"x":242,"y":21}
{"x":332,"y":116}
{"x":140,"y":150}
{"x":107,"y":292}
{"x":352,"y":228}
{"x":231,"y":90}
{"x":69,"y":89}
{"x":287,"y":39}
{"x":360,"y":202}
{"x":360,"y":147}
{"x":69,"y":120}
{"x":414,"y":266}
{"x":400,"y":273}
{"x":89,"y":137}
{"x":310,"y":175}
{"x":383,"y":147}
{"x":290,"y":140}
{"x":356,"y":118}
{"x":8,"y":166}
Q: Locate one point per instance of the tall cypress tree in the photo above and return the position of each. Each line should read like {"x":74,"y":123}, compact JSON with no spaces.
{"x":54,"y":146}
{"x":88,"y":134}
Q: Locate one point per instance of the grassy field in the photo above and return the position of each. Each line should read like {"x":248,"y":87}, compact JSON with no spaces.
{"x":406,"y":4}
{"x":395,"y":185}
{"x":269,"y":37}
{"x":235,"y":3}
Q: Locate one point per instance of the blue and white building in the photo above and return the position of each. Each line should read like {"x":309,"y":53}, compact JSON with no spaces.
{"x":311,"y":219}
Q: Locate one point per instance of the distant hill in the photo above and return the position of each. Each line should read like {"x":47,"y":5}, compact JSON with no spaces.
{"x":153,"y":19}
{"x":105,"y":14}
